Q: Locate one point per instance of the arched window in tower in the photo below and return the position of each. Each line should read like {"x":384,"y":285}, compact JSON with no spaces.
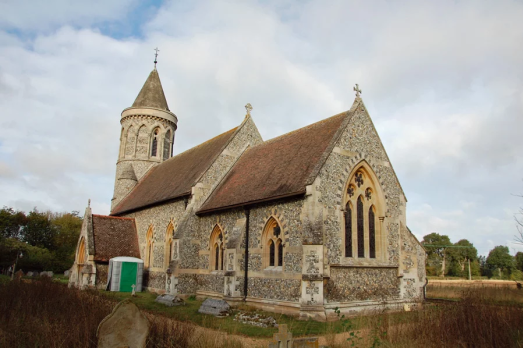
{"x":130,"y":142}
{"x":217,"y":244}
{"x":167,"y":145}
{"x":361,"y":236}
{"x":154,"y":144}
{"x":272,"y":245}
{"x":348,"y":230}
{"x":372,"y":233}
{"x":149,"y":248}
{"x":364,"y":203}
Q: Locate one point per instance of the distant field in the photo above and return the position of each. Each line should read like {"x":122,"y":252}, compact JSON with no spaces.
{"x":500,"y":291}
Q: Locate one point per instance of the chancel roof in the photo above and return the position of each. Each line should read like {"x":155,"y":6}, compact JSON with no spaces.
{"x":176,"y":176}
{"x":151,"y":95}
{"x":114,"y":236}
{"x":280,"y":167}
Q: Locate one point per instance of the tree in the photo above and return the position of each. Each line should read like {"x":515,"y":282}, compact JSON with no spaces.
{"x":39,"y":231}
{"x":436,"y":258}
{"x":519,"y":260}
{"x":460,"y":256}
{"x":11,"y":223}
{"x":500,"y":258}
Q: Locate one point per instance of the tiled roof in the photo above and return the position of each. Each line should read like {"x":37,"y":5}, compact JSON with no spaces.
{"x":174,"y":177}
{"x":277,"y":168}
{"x":151,"y":95}
{"x":114,"y":236}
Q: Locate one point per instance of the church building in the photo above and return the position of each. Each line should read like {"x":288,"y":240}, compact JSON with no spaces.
{"x":300,"y":224}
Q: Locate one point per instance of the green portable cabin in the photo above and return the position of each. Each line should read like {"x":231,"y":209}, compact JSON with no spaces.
{"x":124,"y":272}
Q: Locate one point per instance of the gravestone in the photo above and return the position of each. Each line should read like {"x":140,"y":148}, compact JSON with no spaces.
{"x":29,"y":274}
{"x":169,"y":300}
{"x":46,"y":274}
{"x":66,"y":273}
{"x":283,"y":339}
{"x":218,"y":308}
{"x":126,"y":326}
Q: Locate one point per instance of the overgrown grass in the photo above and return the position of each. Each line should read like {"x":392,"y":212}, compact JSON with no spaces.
{"x":43,"y":313}
{"x":4,"y":279}
{"x":496,"y":295}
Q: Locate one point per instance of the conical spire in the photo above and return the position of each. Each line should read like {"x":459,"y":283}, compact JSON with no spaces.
{"x":152,"y":94}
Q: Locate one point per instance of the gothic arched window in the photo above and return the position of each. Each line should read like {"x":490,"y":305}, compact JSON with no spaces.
{"x":154,"y":144}
{"x":167,"y":145}
{"x":363,"y":200}
{"x":80,"y":259}
{"x":149,"y":248}
{"x":217,"y":245}
{"x":169,"y":245}
{"x":272,"y":244}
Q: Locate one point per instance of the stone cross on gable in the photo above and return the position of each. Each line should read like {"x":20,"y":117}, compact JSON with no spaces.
{"x":248,"y":107}
{"x":357,"y":90}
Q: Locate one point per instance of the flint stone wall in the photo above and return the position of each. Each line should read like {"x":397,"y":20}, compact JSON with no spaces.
{"x":272,"y":289}
{"x":360,"y":284}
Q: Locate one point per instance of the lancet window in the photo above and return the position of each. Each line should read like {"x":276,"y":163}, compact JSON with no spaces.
{"x":154,"y":144}
{"x":167,"y":145}
{"x":217,"y":245}
{"x":272,"y":244}
{"x":361,"y":232}
{"x":80,"y":259}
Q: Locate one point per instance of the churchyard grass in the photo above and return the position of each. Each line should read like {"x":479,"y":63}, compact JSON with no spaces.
{"x":4,"y":279}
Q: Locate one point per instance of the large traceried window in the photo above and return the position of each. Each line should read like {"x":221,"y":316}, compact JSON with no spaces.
{"x":363,"y":204}
{"x":272,"y":244}
{"x":217,"y":245}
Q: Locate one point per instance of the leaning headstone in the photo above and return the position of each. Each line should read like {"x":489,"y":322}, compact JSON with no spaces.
{"x":281,"y":339}
{"x":218,"y":308}
{"x":50,"y":274}
{"x":169,"y":300}
{"x":126,"y":326}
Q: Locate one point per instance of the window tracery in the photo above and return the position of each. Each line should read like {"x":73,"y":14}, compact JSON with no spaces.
{"x":273,"y":244}
{"x":217,"y":246}
{"x":363,"y":200}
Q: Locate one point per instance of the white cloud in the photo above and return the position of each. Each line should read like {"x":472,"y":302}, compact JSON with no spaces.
{"x":442,"y":81}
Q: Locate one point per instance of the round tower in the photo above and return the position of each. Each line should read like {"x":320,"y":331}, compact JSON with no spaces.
{"x":146,"y":138}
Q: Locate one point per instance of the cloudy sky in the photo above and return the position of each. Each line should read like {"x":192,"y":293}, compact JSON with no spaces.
{"x":443,"y":81}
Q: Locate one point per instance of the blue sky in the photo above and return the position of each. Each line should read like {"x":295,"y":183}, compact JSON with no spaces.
{"x":442,"y":80}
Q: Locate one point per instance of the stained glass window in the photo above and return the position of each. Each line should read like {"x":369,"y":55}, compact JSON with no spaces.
{"x":280,"y":252}
{"x":361,"y":242}
{"x":372,"y":234}
{"x":348,"y":231}
{"x":217,"y":256}
{"x":271,"y":253}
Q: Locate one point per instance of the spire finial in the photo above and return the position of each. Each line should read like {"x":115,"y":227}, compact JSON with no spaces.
{"x":89,"y":203}
{"x":357,"y":90}
{"x":156,"y":56}
{"x":248,"y":107}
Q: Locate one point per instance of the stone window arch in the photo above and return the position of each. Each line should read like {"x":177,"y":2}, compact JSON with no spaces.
{"x":364,"y":204}
{"x":171,"y":246}
{"x":130,"y":142}
{"x":154,"y":142}
{"x":149,"y":248}
{"x":167,"y":145}
{"x":272,"y":245}
{"x":80,"y":256}
{"x":217,"y":246}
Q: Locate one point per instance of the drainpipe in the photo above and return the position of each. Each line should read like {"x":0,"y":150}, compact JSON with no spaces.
{"x":246,"y":276}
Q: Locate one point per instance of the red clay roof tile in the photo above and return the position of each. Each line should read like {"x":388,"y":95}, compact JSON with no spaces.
{"x":114,"y":236}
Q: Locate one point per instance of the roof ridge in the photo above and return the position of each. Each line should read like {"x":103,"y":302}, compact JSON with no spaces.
{"x":112,"y":217}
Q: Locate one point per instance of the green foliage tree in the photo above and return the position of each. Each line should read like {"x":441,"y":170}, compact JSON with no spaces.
{"x":460,"y":256}
{"x":519,"y":260}
{"x":11,"y":223}
{"x":435,"y":255}
{"x":39,"y":231}
{"x":499,"y":258}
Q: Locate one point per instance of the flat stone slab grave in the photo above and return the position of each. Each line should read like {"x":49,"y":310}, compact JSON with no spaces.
{"x":169,"y":300}
{"x":218,"y":308}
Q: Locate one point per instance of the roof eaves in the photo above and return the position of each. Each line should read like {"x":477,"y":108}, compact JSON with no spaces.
{"x":250,"y":203}
{"x":147,"y":206}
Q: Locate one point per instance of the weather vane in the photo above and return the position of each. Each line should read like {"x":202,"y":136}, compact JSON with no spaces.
{"x":156,"y":56}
